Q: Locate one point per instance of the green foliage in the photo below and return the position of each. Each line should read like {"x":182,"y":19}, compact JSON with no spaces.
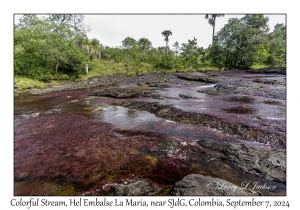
{"x":241,"y":43}
{"x":166,"y":34}
{"x":44,"y":46}
{"x":102,"y":68}
{"x":191,"y":52}
{"x":277,"y":47}
{"x":166,"y":62}
{"x":56,"y":47}
{"x":22,"y":83}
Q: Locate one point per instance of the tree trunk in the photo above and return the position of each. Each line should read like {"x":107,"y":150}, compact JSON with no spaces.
{"x":166,"y":47}
{"x":56,"y":66}
{"x":213,"y":34}
{"x":226,"y":61}
{"x":86,"y":68}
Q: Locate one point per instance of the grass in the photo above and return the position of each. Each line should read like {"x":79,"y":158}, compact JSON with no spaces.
{"x":104,"y":68}
{"x":258,"y":66}
{"x":24,"y":83}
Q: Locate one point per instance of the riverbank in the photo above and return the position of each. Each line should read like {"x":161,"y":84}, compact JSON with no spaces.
{"x":26,"y":86}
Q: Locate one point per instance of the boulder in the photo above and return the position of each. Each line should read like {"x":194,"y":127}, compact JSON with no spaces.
{"x":199,"y":78}
{"x":185,"y":96}
{"x":137,"y":187}
{"x":199,"y":185}
{"x":267,"y":164}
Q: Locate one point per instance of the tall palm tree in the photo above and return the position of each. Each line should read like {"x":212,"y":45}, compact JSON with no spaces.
{"x":166,"y":34}
{"x":212,"y":21}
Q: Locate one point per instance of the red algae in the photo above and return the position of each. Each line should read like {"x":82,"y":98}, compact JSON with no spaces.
{"x":69,"y":143}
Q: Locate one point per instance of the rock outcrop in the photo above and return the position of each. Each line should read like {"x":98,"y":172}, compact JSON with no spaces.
{"x":266,"y":81}
{"x":199,"y":185}
{"x":269,"y":70}
{"x":267,"y":164}
{"x":199,"y":78}
{"x":137,"y":187}
{"x":117,"y":92}
{"x":172,"y":113}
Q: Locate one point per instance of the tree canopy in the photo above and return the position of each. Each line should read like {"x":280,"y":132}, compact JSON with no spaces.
{"x":242,"y":41}
{"x":44,"y":44}
{"x":47,"y":46}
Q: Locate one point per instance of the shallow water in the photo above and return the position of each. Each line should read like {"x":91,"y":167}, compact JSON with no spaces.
{"x":69,"y":143}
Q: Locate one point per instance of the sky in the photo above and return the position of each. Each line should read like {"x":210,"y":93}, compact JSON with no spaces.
{"x":110,"y":30}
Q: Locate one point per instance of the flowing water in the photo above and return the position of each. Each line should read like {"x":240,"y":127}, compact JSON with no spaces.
{"x":70,"y":143}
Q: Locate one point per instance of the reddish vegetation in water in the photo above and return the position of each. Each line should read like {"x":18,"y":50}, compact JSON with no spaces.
{"x":68,"y":143}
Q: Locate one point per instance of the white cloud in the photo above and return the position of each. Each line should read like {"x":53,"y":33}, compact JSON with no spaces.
{"x":110,"y":30}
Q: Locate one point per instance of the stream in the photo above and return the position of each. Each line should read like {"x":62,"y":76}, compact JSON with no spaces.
{"x":74,"y":143}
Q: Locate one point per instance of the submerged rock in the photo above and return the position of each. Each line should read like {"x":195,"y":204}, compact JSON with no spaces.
{"x":268,"y":164}
{"x":242,"y":87}
{"x":199,"y":185}
{"x":172,"y":113}
{"x":117,"y":92}
{"x":136,"y":187}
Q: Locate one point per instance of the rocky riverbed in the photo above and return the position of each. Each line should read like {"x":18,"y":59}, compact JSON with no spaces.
{"x":200,"y":133}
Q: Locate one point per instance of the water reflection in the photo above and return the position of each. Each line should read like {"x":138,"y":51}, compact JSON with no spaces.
{"x":72,"y":143}
{"x":124,"y":118}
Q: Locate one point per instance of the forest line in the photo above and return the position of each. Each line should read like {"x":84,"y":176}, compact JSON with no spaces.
{"x":57,"y":47}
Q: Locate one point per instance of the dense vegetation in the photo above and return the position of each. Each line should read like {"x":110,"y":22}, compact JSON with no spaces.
{"x":57,"y":47}
{"x":247,"y":41}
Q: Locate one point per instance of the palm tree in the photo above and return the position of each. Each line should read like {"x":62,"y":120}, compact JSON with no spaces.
{"x":166,"y":34}
{"x":212,"y":21}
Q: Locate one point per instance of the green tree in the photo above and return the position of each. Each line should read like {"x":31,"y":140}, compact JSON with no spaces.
{"x":237,"y":44}
{"x":129,"y":44}
{"x":176,"y":48}
{"x":277,"y":46}
{"x":166,"y":34}
{"x":212,"y":21}
{"x":72,"y":22}
{"x":46,"y":43}
{"x":144,"y":45}
{"x":91,"y":48}
{"x":190,"y":51}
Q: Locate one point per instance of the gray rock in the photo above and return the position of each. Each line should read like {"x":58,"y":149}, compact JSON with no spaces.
{"x":136,"y":187}
{"x":266,"y":81}
{"x":185,"y":96}
{"x":150,"y":94}
{"x":199,"y":185}
{"x":198,"y":78}
{"x":269,"y":70}
{"x":177,"y":115}
{"x":268,"y":164}
{"x":117,"y":92}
